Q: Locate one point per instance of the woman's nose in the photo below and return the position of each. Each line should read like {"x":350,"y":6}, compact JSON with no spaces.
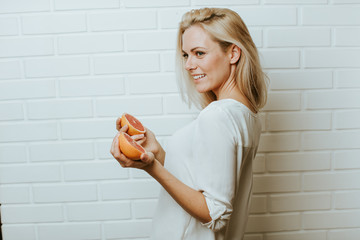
{"x":190,"y":65}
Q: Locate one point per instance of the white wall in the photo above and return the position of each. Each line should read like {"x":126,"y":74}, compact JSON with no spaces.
{"x":69,"y":68}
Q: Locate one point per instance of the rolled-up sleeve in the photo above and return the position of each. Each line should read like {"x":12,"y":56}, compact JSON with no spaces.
{"x":215,"y":161}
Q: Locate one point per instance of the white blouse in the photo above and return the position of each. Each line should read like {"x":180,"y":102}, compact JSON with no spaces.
{"x":213,"y":154}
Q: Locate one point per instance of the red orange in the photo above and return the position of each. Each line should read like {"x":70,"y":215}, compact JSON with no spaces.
{"x":129,"y":147}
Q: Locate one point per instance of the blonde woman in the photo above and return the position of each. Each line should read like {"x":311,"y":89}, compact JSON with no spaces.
{"x":206,"y":172}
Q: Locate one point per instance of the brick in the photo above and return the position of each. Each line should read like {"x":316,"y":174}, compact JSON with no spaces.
{"x":170,"y":18}
{"x":102,"y":170}
{"x":154,"y":41}
{"x":328,"y":220}
{"x":331,"y":181}
{"x":331,"y":140}
{"x":18,"y":232}
{"x":155,"y":3}
{"x":13,"y":153}
{"x":91,"y":87}
{"x":91,"y":43}
{"x":56,"y":109}
{"x":123,"y":20}
{"x":139,"y":174}
{"x":331,"y":58}
{"x":153,"y":83}
{"x":14,"y":194}
{"x":347,"y":36}
{"x":257,"y":36}
{"x":333,"y":99}
{"x":29,"y":173}
{"x":18,"y":6}
{"x":11,"y":111}
{"x":347,"y":159}
{"x":122,"y":230}
{"x":8,"y":26}
{"x":312,"y":161}
{"x":69,"y":231}
{"x":168,"y":62}
{"x":308,"y":235}
{"x":298,"y":37}
{"x":225,"y":2}
{"x":175,"y":105}
{"x":347,"y":119}
{"x":98,"y":211}
{"x":279,"y":16}
{"x":330,"y":15}
{"x":129,"y":63}
{"x":87,"y":129}
{"x":52,"y":193}
{"x":136,"y":106}
{"x":31,"y":214}
{"x":103,"y":148}
{"x":57,"y":67}
{"x":27,"y":89}
{"x":347,"y":79}
{"x":143,"y":208}
{"x":348,"y":234}
{"x":55,"y":23}
{"x":295,"y":1}
{"x":85,"y":4}
{"x":347,"y":200}
{"x":139,"y":189}
{"x":28,"y":132}
{"x":19,"y":47}
{"x":259,"y":163}
{"x":279,"y":142}
{"x":10,"y":70}
{"x":253,"y":237}
{"x":299,"y":202}
{"x":299,"y":121}
{"x":279,"y":59}
{"x":277,"y":183}
{"x":273,"y":223}
{"x":61,"y":151}
{"x":294,"y":80}
{"x":280,"y":101}
{"x":258,"y":204}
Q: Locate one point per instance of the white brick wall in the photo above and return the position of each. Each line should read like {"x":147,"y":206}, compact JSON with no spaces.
{"x":69,"y":68}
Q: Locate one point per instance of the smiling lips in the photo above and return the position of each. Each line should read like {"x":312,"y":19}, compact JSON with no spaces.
{"x":197,"y":77}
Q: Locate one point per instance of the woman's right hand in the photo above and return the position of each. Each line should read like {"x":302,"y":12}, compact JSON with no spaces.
{"x":149,"y":142}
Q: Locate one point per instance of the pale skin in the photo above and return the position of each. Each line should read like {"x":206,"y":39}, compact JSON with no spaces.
{"x":206,"y":59}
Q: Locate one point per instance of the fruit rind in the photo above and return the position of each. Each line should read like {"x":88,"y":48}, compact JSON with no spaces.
{"x":128,"y":148}
{"x":131,"y":130}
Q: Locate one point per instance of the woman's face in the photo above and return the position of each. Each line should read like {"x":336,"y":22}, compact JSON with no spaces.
{"x":205,"y":60}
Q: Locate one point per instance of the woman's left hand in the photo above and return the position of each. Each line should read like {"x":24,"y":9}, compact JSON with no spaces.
{"x":146,"y":159}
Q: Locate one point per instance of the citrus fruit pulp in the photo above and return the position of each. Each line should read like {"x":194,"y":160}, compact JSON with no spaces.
{"x":135,"y":126}
{"x":129,"y":147}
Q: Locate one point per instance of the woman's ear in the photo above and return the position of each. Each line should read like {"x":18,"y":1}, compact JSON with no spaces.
{"x":234,"y":54}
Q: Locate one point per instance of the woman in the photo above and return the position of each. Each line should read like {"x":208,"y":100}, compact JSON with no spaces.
{"x":206,"y":172}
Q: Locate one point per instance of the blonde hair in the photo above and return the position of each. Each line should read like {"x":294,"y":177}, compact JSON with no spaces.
{"x":225,"y":27}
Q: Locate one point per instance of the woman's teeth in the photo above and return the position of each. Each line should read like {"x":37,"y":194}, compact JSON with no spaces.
{"x":199,"y":76}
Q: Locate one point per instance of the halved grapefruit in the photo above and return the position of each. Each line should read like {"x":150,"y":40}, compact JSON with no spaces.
{"x":135,"y":126}
{"x":129,"y":147}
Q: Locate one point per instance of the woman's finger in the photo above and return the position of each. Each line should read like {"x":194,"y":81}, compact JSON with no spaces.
{"x":141,"y":141}
{"x":124,"y":128}
{"x":118,"y":124}
{"x":137,"y":136}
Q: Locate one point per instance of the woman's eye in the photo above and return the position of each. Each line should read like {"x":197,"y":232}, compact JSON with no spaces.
{"x":199,"y":54}
{"x":185,"y":55}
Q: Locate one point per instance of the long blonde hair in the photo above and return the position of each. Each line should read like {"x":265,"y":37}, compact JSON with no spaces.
{"x":225,"y":27}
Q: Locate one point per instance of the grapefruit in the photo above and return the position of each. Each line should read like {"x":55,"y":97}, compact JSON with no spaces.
{"x":135,"y":126}
{"x":129,"y":147}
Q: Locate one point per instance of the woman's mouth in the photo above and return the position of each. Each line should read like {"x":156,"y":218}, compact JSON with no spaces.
{"x":197,"y":77}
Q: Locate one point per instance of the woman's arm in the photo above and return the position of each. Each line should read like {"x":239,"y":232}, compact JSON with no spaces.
{"x":189,"y":199}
